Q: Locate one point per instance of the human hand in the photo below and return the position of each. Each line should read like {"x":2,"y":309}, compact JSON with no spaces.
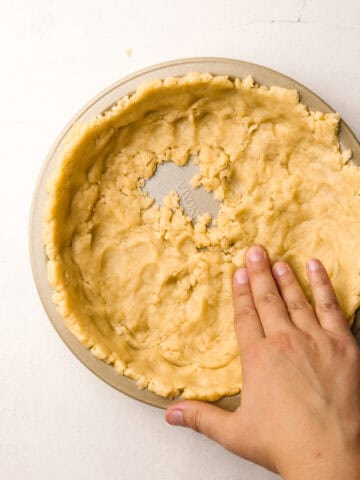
{"x":300,"y":404}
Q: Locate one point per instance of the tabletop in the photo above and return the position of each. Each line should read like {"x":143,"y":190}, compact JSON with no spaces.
{"x":57,"y":420}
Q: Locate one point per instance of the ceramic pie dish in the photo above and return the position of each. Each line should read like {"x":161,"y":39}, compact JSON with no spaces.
{"x":102,"y":103}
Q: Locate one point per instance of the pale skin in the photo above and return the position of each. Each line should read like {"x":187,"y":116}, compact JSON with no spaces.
{"x":300,"y":404}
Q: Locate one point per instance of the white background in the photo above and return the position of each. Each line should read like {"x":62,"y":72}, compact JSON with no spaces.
{"x":57,"y":420}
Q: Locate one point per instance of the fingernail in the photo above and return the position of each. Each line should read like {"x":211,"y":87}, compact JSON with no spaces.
{"x":313,"y":265}
{"x":255,"y":254}
{"x":280,"y":268}
{"x":241,"y":276}
{"x":176,"y":417}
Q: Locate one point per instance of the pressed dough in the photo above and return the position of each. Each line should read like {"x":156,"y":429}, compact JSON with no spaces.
{"x":148,"y":290}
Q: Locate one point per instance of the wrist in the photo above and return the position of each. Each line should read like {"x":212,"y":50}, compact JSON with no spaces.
{"x":336,"y":466}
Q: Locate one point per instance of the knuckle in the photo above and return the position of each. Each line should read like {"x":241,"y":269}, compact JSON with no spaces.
{"x":196,"y":421}
{"x":243,"y":293}
{"x":326,"y":307}
{"x":269,"y":298}
{"x":307,"y":342}
{"x":336,"y":344}
{"x":345,"y":347}
{"x":247,"y":310}
{"x":244,"y":311}
{"x":296,"y":305}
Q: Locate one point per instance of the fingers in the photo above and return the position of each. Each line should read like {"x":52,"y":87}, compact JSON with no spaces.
{"x":260,"y":309}
{"x":300,"y":310}
{"x":268,"y":302}
{"x":247,"y":323}
{"x":330,"y":316}
{"x":202,"y":417}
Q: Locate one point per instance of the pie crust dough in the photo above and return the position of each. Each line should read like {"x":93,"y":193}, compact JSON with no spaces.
{"x":141,"y":286}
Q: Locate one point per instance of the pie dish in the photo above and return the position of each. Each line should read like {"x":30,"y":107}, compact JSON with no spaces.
{"x":137,"y":282}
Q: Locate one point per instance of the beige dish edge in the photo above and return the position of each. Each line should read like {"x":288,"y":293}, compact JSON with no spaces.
{"x":103,"y":101}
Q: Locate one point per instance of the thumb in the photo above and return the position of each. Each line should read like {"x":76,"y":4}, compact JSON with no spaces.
{"x":212,"y":421}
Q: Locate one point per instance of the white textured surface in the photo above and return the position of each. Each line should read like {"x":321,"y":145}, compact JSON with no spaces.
{"x":57,"y":420}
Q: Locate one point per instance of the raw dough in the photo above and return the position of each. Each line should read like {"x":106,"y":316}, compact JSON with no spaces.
{"x":143,"y":288}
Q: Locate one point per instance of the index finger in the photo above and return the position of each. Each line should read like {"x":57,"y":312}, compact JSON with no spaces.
{"x":248,"y":327}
